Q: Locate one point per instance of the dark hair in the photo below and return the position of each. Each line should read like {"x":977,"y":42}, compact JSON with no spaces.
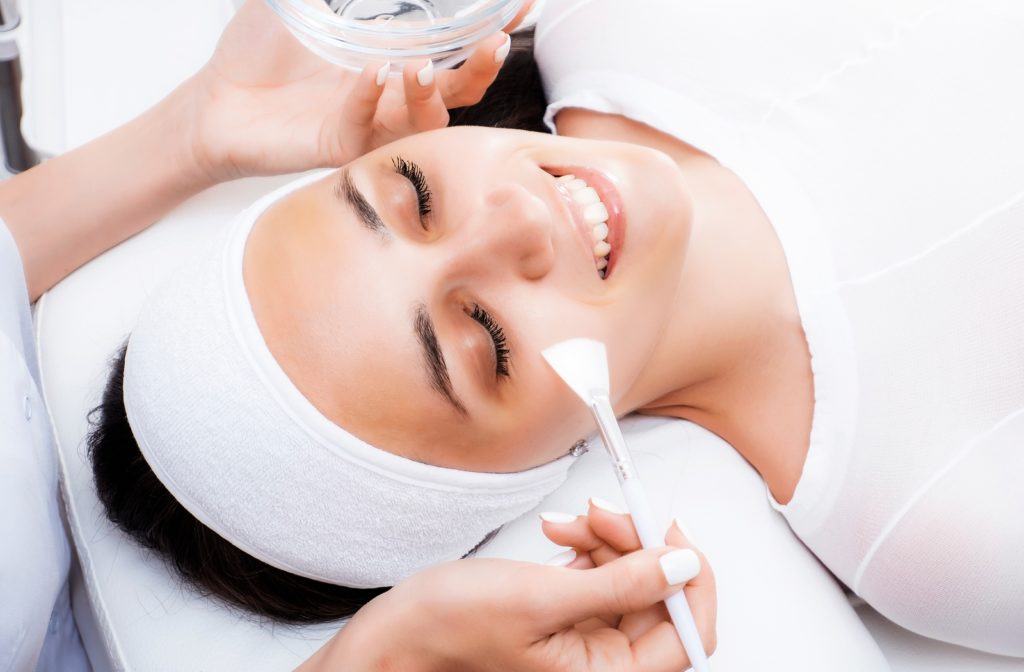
{"x":138,"y":503}
{"x":515,"y":99}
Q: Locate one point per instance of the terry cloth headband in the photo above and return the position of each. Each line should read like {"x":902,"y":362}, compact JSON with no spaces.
{"x":230,"y":436}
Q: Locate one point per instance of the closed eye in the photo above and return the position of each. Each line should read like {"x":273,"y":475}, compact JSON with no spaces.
{"x":415,"y":175}
{"x":501,"y":351}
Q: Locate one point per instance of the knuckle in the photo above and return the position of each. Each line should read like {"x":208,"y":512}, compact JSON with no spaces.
{"x":550,"y":654}
{"x":470,"y":97}
{"x":435,"y":119}
{"x":626,"y":585}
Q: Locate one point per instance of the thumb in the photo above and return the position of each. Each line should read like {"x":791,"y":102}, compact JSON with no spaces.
{"x":624,"y":586}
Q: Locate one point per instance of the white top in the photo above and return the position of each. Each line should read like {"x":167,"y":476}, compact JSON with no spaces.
{"x":883,"y":140}
{"x":34,"y":553}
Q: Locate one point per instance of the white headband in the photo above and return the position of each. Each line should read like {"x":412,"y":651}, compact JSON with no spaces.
{"x":240,"y":447}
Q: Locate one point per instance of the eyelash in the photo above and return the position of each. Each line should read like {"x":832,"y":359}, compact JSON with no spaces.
{"x":497,"y":335}
{"x":412,"y":172}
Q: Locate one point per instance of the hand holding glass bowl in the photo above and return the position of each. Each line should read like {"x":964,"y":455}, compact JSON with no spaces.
{"x":265,"y":104}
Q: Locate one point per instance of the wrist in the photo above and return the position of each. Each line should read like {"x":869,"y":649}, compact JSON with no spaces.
{"x":376,"y":639}
{"x":179,"y":116}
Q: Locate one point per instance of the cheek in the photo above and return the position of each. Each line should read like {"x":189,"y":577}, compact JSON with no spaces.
{"x":539,"y":419}
{"x":630,"y":324}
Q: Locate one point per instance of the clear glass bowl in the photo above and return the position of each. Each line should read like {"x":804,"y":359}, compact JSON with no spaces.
{"x":353,"y":33}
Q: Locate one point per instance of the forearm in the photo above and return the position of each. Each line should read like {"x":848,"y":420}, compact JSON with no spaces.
{"x":74,"y":207}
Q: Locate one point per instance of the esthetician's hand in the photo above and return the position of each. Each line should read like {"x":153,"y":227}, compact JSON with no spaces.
{"x":501,"y":615}
{"x":603,"y":535}
{"x":264,"y":104}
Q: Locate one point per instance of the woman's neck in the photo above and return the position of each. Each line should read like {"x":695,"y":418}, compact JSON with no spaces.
{"x":734,"y":358}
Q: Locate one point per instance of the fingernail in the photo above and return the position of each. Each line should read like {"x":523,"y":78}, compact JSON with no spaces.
{"x":557,"y":518}
{"x":682,"y":528}
{"x":501,"y":53}
{"x":679,"y":566}
{"x":382,"y":74}
{"x":605,"y":505}
{"x":562,"y":559}
{"x":426,"y":75}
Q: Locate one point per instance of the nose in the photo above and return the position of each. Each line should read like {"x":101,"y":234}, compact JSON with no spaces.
{"x":515,"y":229}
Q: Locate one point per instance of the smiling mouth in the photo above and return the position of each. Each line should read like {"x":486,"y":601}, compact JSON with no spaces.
{"x":596,"y":207}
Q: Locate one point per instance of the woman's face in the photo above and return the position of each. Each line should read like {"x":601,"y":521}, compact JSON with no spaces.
{"x":421,"y":332}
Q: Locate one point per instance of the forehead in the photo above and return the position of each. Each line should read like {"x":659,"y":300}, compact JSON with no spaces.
{"x":337,"y":319}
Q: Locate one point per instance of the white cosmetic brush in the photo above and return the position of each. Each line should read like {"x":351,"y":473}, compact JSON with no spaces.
{"x":583,"y":364}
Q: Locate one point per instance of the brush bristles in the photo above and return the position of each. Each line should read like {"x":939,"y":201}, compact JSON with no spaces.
{"x":583,"y":364}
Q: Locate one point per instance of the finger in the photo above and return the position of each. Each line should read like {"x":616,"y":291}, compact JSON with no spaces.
{"x":659,"y":650}
{"x":468,"y":84}
{"x":701,"y":591}
{"x":627,"y":585}
{"x":634,"y":626}
{"x":659,"y":647}
{"x":613,"y":525}
{"x":577,"y":533}
{"x":426,"y":110}
{"x":594,"y":624}
{"x":700,"y":594}
{"x":571,"y":559}
{"x":520,"y":15}
{"x":360,"y":106}
{"x":355,"y":118}
{"x":569,"y":530}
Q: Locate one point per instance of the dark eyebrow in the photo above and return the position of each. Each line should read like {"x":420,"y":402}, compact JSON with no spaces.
{"x":439,"y":378}
{"x":346,"y":190}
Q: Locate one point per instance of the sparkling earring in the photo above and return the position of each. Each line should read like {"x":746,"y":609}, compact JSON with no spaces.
{"x":579,"y":448}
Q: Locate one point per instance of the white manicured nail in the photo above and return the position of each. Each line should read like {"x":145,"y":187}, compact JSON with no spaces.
{"x":682,"y":528}
{"x":557,"y":518}
{"x":605,"y":505}
{"x":426,"y":75}
{"x":501,"y":53}
{"x":562,"y":559}
{"x":679,"y":566}
{"x":382,"y":74}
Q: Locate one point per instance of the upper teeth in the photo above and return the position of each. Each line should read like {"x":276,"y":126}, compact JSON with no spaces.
{"x":595,"y":214}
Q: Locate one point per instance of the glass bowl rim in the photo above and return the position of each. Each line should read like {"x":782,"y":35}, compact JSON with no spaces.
{"x":330,"y":22}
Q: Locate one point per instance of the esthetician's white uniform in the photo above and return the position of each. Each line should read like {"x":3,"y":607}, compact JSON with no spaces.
{"x":37,"y":630}
{"x":884,"y":141}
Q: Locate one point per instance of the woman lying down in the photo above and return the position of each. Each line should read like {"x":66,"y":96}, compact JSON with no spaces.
{"x":804,"y":235}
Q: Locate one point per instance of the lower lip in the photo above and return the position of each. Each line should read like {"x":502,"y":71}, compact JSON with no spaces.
{"x":612,"y":199}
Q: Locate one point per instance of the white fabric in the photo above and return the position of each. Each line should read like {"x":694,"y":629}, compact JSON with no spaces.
{"x":883,"y":140}
{"x":236,"y":442}
{"x":36,"y":627}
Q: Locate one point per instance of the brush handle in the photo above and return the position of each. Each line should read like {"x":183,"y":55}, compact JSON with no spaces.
{"x":645,"y":523}
{"x":678,"y":607}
